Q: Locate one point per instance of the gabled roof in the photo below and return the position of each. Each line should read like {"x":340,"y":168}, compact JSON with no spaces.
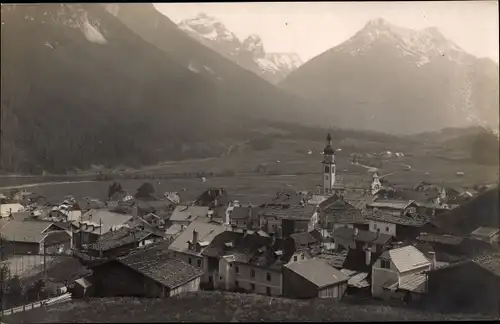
{"x":442,"y":239}
{"x":156,"y":262}
{"x":408,"y":258}
{"x":304,"y":238}
{"x":206,"y":233}
{"x":406,"y":220}
{"x":393,"y":204}
{"x":6,"y":209}
{"x":296,"y":212}
{"x":486,"y":232}
{"x":104,"y":220}
{"x":244,"y":212}
{"x":318,"y":272}
{"x":119,"y":238}
{"x":24,"y":231}
{"x":188,"y":213}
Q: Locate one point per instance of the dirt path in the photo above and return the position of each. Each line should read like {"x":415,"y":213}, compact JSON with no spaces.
{"x":30,"y":185}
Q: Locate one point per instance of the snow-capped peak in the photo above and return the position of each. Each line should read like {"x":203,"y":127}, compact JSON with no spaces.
{"x":254,"y":44}
{"x":207,"y":27}
{"x":424,"y":45}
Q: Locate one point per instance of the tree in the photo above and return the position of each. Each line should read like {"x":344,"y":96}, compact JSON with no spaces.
{"x":145,"y":191}
{"x":114,"y":188}
{"x":13,"y":292}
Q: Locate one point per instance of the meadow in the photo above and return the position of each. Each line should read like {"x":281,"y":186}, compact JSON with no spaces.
{"x":253,"y":174}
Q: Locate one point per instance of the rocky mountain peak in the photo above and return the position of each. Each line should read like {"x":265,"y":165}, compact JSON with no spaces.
{"x":254,"y":44}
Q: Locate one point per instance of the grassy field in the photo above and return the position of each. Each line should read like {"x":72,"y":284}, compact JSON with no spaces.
{"x":218,"y":306}
{"x":295,"y":167}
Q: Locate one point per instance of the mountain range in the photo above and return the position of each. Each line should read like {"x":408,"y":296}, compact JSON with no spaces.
{"x":249,"y":53}
{"x":397,"y":80}
{"x":123,"y":85}
{"x":87,"y":84}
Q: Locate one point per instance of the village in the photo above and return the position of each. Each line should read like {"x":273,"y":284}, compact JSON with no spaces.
{"x":425,"y":244}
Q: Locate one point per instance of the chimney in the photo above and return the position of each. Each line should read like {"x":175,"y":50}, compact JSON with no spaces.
{"x":432,"y":257}
{"x":195,"y":237}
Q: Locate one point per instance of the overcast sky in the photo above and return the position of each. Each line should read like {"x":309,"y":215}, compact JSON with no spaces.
{"x":311,"y":28}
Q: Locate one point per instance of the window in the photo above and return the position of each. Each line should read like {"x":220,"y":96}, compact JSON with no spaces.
{"x":294,"y":258}
{"x":268,"y":277}
{"x":387,"y":229}
{"x":198,"y":263}
{"x":326,"y":177}
{"x":302,"y":257}
{"x":252,"y":273}
{"x":385,"y":264}
{"x":189,"y":260}
{"x":230,"y":265}
{"x":252,"y":287}
{"x":237,"y":269}
{"x":327,"y":169}
{"x":268,"y":291}
{"x":237,"y":283}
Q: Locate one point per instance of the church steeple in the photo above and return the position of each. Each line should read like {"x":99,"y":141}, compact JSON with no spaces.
{"x":328,"y":166}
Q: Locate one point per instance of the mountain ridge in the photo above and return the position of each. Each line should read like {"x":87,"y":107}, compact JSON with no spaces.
{"x":384,"y":75}
{"x":248,"y":53}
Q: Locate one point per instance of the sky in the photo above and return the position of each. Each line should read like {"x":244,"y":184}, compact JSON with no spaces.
{"x":310,"y":28}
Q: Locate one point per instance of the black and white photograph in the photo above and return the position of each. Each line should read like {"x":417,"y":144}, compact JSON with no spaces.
{"x":249,"y":162}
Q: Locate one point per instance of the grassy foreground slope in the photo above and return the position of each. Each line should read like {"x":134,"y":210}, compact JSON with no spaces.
{"x":217,"y":306}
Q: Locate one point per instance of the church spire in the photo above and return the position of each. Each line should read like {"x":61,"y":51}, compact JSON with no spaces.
{"x":329,"y":139}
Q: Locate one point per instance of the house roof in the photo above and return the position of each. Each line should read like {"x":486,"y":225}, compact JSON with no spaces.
{"x":254,"y":249}
{"x":103,"y":218}
{"x":408,"y":258}
{"x":24,"y":231}
{"x":20,"y":216}
{"x":316,"y":199}
{"x":490,"y":262}
{"x":317,"y":271}
{"x":188,"y":213}
{"x":6,"y":209}
{"x":121,"y":237}
{"x":361,"y":236}
{"x":244,"y":212}
{"x":304,"y":238}
{"x":84,"y":282}
{"x":156,"y":262}
{"x":335,"y":203}
{"x":293,"y":212}
{"x":174,"y":229}
{"x":407,"y":220}
{"x":335,"y":259}
{"x":414,"y":283}
{"x":442,"y":239}
{"x":486,"y":232}
{"x":206,"y":233}
{"x":356,"y":279}
{"x":394,"y":204}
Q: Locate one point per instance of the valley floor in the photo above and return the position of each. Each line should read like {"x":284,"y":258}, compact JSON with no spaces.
{"x":217,"y":306}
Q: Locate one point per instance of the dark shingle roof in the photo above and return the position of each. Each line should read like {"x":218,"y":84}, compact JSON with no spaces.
{"x":371,"y":237}
{"x":490,"y":262}
{"x":243,"y":212}
{"x":407,"y":220}
{"x":303,"y":238}
{"x":121,"y":237}
{"x":157,"y":263}
{"x":24,"y":231}
{"x":293,"y":212}
{"x":442,"y":239}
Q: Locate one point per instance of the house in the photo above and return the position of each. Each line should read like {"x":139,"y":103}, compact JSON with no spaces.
{"x":95,"y":223}
{"x":240,"y":261}
{"x":33,"y":237}
{"x":284,"y":221}
{"x":486,"y":234}
{"x":400,"y":269}
{"x":468,"y":286}
{"x":313,"y":278}
{"x":185,"y":215}
{"x":336,"y":212}
{"x":394,"y":207}
{"x":87,"y":204}
{"x":244,"y":216}
{"x":149,"y":272}
{"x":82,"y":287}
{"x":120,"y":242}
{"x":307,"y":240}
{"x":401,"y":226}
{"x":191,"y":243}
{"x":7,"y":209}
{"x":358,"y":282}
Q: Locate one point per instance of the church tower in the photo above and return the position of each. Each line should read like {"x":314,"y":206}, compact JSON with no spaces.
{"x":328,"y":167}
